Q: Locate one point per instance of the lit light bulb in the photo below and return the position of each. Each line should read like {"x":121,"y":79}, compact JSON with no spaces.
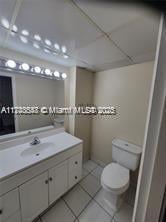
{"x":23,"y":39}
{"x":57,"y":74}
{"x":64,"y":49}
{"x":37,"y":69}
{"x":37,"y":37}
{"x":5,"y":23}
{"x":64,"y":75}
{"x":25,"y":32}
{"x":65,"y":56}
{"x":46,"y":50}
{"x":11,"y":64}
{"x":48,"y":72}
{"x":25,"y":66}
{"x":48,"y":42}
{"x":56,"y":46}
{"x":36,"y":45}
{"x":14,"y":29}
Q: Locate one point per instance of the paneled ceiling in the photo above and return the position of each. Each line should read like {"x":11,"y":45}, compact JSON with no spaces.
{"x":97,"y":36}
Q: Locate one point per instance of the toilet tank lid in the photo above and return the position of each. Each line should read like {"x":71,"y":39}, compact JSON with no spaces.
{"x":129,"y":147}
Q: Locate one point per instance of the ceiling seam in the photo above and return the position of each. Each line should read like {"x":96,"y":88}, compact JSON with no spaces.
{"x":101,"y":30}
{"x":13,"y":19}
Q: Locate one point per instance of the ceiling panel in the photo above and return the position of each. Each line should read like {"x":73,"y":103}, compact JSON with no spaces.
{"x":100,"y":52}
{"x":138,"y":38}
{"x":109,"y":16}
{"x":58,"y":21}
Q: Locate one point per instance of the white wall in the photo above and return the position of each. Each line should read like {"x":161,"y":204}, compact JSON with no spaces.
{"x":127,"y":89}
{"x":84,"y":95}
{"x":79,"y":90}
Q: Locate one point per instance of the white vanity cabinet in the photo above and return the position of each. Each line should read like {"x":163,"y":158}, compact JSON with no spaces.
{"x":40,"y":192}
{"x":10,"y":206}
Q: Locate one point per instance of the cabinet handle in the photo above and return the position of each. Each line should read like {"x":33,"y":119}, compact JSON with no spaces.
{"x":76,"y":162}
{"x":1,"y":211}
{"x":46,"y":181}
{"x":50,"y":179}
{"x":76,"y":177}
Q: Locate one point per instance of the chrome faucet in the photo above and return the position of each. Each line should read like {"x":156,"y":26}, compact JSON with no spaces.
{"x":35,"y":141}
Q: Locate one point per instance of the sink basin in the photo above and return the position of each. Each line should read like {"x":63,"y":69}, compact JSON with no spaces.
{"x":36,"y":149}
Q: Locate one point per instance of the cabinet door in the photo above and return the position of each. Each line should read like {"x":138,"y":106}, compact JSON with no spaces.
{"x":34,"y":197}
{"x":9,"y":204}
{"x":57,"y":181}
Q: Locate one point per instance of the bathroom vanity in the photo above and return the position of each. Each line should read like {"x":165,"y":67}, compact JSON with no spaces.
{"x":34,"y":177}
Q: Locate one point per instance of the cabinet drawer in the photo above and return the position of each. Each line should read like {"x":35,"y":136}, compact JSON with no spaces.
{"x":9,"y":204}
{"x":75,"y":177}
{"x":75,"y":162}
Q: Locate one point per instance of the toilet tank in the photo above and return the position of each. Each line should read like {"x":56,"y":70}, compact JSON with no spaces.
{"x":126,"y":154}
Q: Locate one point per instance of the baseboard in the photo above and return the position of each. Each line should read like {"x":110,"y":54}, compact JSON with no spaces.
{"x":99,"y":162}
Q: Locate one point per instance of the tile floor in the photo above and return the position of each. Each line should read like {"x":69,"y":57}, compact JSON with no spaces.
{"x":85,"y":203}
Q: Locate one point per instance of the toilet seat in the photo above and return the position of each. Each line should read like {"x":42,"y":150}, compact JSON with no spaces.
{"x":115,"y":178}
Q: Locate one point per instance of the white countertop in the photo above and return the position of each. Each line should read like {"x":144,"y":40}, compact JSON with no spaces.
{"x":11,"y":160}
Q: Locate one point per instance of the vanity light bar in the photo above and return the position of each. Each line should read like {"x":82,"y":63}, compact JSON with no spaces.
{"x":25,"y":68}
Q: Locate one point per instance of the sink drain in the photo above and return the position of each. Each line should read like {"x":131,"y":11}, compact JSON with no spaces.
{"x":37,"y":154}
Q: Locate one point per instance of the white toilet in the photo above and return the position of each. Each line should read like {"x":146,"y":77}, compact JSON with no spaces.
{"x":115,"y":178}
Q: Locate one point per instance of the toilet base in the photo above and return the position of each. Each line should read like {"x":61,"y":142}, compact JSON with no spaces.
{"x":112,"y":200}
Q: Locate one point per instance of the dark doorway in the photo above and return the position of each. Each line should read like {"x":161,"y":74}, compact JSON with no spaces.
{"x":163,"y":209}
{"x":6,"y":100}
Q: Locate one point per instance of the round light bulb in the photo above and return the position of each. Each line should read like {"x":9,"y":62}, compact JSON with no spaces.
{"x":23,"y":39}
{"x":11,"y":64}
{"x":48,"y":42}
{"x":25,"y":32}
{"x":37,"y":69}
{"x":25,"y":66}
{"x":64,"y":49}
{"x":36,"y":45}
{"x":46,"y":50}
{"x":14,"y":29}
{"x":48,"y":72}
{"x":57,"y":74}
{"x":65,"y":56}
{"x":5,"y":23}
{"x":37,"y":37}
{"x":56,"y":46}
{"x":64,"y":75}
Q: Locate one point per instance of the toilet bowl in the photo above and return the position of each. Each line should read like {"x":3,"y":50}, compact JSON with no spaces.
{"x":115,"y":181}
{"x":115,"y":178}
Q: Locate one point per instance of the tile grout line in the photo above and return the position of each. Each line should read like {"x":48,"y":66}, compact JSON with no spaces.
{"x":84,"y":207}
{"x":69,"y":208}
{"x":92,"y":198}
{"x":102,"y":206}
